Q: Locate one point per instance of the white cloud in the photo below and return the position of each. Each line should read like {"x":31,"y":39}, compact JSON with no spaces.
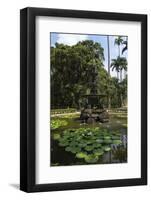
{"x":71,"y":39}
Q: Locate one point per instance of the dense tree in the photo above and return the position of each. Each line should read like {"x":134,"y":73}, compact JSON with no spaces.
{"x":71,"y":75}
{"x":71,"y":70}
{"x":118,"y":92}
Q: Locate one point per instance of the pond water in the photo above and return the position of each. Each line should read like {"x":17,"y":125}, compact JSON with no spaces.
{"x":118,"y":153}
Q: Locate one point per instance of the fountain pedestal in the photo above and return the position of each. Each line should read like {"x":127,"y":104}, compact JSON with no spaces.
{"x":93,"y":110}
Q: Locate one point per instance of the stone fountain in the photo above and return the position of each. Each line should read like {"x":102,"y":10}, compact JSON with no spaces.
{"x":94,"y":110}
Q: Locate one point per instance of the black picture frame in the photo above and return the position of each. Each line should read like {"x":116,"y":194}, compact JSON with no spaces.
{"x":28,"y":98}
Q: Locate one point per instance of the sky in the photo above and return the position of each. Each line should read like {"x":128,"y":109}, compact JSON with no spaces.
{"x":72,"y":39}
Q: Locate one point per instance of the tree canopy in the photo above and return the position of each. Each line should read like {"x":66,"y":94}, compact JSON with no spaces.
{"x":71,"y":71}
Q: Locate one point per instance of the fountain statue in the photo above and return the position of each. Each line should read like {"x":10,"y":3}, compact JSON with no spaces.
{"x":94,"y":110}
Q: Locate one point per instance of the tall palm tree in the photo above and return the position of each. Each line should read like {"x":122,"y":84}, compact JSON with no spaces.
{"x":118,"y":41}
{"x":123,"y":65}
{"x":115,"y":64}
{"x":119,"y":64}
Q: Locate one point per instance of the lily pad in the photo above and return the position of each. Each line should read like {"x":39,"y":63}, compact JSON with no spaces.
{"x":115,"y":137}
{"x":73,"y":143}
{"x":107,"y":141}
{"x":56,"y":136}
{"x":88,"y":143}
{"x":89,"y":148}
{"x":82,"y":144}
{"x":107,"y":148}
{"x":97,"y":129}
{"x":95,"y":145}
{"x":63,"y":144}
{"x":75,"y":149}
{"x":117,"y":142}
{"x":98,"y":152}
{"x":91,"y":158}
{"x":107,"y":137}
{"x":81,"y":155}
{"x":68,"y":148}
{"x":99,"y":140}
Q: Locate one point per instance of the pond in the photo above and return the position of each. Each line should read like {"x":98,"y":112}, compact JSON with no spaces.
{"x":114,"y":130}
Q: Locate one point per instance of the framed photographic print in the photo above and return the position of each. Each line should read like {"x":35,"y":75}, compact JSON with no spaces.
{"x":83,"y":96}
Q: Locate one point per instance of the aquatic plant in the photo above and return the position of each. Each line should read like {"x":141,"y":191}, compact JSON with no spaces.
{"x":56,"y":123}
{"x":88,"y":143}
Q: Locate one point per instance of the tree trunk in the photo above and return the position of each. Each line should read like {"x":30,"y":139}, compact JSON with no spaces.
{"x":117,"y":75}
{"x":121,"y":75}
{"x":108,"y":45}
{"x":119,"y":53}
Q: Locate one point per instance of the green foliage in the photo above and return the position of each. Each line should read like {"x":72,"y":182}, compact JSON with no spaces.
{"x":118,"y":92}
{"x":88,"y":143}
{"x":119,"y":40}
{"x":119,"y":64}
{"x":56,"y":123}
{"x":71,"y":68}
